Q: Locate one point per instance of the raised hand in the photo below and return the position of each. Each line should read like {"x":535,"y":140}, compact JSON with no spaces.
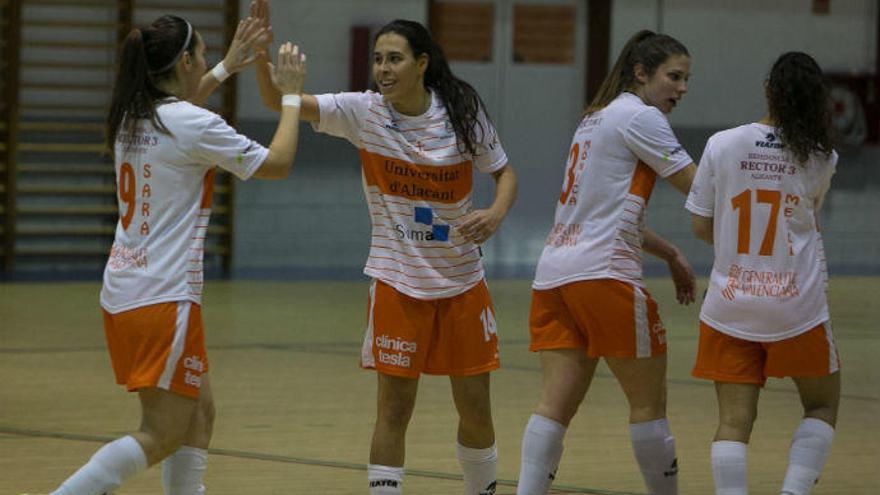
{"x":259,"y":9}
{"x":290,"y":70}
{"x":249,"y":34}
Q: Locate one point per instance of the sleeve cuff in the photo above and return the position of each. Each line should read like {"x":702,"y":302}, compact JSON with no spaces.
{"x":698,"y":210}
{"x":255,"y":165}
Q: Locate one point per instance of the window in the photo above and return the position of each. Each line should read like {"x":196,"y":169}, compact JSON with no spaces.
{"x":543,"y":34}
{"x":464,"y":29}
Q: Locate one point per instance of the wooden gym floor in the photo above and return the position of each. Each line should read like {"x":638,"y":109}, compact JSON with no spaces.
{"x":295,"y":412}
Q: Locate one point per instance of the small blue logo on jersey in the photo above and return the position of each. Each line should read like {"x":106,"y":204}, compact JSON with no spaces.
{"x":425,"y":216}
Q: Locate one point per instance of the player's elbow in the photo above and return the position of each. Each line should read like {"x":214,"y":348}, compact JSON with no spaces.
{"x":275,"y":167}
{"x":702,"y":228}
{"x":281,"y":174}
{"x":706,"y":237}
{"x":683,"y":179}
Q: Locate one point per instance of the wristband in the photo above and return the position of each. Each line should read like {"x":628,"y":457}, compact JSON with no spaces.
{"x":291,"y":101}
{"x":219,"y":72}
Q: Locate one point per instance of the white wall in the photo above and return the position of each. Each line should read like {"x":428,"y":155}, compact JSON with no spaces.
{"x":321,"y":28}
{"x":315,"y":223}
{"x":535,"y":107}
{"x":734,"y":43}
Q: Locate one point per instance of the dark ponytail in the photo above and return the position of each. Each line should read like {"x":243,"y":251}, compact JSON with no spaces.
{"x":799,"y":103}
{"x":463,"y":104}
{"x":646,"y":48}
{"x":147,"y":57}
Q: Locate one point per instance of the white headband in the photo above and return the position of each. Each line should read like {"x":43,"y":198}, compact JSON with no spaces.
{"x":189,"y":33}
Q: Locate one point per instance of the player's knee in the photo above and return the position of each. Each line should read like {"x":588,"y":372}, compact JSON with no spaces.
{"x":395,"y":413}
{"x":207,"y":412}
{"x":823,"y":412}
{"x":203,"y":423}
{"x":640,"y":413}
{"x":476,"y":414}
{"x":560,"y":411}
{"x":739,"y":420}
{"x":165,"y":443}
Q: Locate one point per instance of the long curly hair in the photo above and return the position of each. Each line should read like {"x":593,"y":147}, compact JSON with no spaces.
{"x":463,"y":103}
{"x":798,"y":97}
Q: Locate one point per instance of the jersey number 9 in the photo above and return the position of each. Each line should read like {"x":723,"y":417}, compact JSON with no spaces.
{"x":127,"y":194}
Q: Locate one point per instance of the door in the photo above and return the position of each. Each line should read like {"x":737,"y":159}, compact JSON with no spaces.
{"x":534,"y":92}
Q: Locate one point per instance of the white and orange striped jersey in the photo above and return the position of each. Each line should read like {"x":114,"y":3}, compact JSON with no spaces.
{"x":769,"y":277}
{"x":418,"y":186}
{"x":164,"y":186}
{"x":614,"y":159}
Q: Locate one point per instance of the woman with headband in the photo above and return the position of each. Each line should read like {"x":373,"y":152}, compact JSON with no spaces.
{"x":166,"y":149}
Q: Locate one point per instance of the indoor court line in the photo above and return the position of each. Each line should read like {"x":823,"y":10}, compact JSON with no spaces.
{"x":351,"y":349}
{"x":244,"y":454}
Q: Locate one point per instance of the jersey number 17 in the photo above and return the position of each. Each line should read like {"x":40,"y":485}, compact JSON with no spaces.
{"x":743,"y":203}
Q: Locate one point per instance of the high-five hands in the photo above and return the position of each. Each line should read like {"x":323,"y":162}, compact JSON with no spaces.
{"x":259,"y":10}
{"x":289,"y":70}
{"x":249,"y":36}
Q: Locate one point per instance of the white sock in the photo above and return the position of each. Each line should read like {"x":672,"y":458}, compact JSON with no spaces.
{"x":385,"y":480}
{"x":183,"y":472}
{"x":654,"y":448}
{"x":807,"y":456}
{"x":107,"y":469}
{"x":729,"y":468}
{"x":541,"y":451}
{"x":479,"y":468}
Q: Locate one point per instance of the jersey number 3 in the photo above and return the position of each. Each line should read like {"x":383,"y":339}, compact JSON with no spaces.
{"x":573,"y":171}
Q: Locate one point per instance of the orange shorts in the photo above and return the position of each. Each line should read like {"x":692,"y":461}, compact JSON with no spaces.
{"x":451,"y":336}
{"x":607,"y":318}
{"x":161,"y":345}
{"x":723,"y":358}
